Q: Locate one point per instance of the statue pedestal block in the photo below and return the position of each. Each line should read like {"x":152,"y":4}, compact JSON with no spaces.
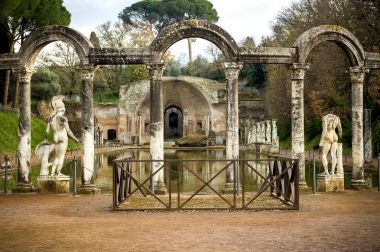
{"x":160,"y":189}
{"x":24,"y":188}
{"x":329,"y":183}
{"x":88,"y":189}
{"x":229,"y":188}
{"x":48,"y":184}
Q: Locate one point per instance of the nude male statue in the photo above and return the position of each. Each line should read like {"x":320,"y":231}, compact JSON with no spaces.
{"x":329,"y":141}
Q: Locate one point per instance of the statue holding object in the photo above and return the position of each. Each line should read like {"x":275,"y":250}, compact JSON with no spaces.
{"x":329,"y":141}
{"x":54,"y":153}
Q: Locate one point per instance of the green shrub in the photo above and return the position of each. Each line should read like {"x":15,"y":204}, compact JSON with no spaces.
{"x":45,"y":84}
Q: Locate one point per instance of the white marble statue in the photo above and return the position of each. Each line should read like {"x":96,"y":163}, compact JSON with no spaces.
{"x":54,"y":154}
{"x":263,"y":132}
{"x":329,"y":141}
{"x":268,"y":132}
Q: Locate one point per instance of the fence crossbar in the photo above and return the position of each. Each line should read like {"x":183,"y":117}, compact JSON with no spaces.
{"x":206,"y":184}
{"x":267,"y":184}
{"x":143,"y":185}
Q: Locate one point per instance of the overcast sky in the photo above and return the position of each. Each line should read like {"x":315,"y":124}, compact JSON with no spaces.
{"x":240,"y":18}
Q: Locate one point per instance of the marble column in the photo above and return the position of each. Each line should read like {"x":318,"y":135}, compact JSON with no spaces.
{"x":88,"y":151}
{"x":139,"y":127}
{"x":185,"y":122}
{"x":357,"y":79}
{"x":157,"y":125}
{"x":24,"y":182}
{"x":298,"y":138}
{"x":232,"y":70}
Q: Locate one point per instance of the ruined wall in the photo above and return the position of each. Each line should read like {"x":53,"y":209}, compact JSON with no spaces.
{"x":195,"y":97}
{"x":107,"y":117}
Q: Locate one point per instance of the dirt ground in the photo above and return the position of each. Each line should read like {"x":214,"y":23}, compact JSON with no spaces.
{"x":348,"y":221}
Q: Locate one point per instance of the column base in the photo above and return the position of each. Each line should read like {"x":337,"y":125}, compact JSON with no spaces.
{"x":358,"y":184}
{"x":303,"y":186}
{"x":160,"y":189}
{"x":88,"y":189}
{"x":24,"y":188}
{"x":53,"y":184}
{"x":330,"y":183}
{"x":229,"y":188}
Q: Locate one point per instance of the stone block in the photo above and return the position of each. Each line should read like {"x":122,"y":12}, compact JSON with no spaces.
{"x":88,"y":189}
{"x":48,"y":184}
{"x":329,"y":183}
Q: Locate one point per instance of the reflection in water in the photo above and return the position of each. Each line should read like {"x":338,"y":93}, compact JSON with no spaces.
{"x":186,"y":175}
{"x":182,"y":176}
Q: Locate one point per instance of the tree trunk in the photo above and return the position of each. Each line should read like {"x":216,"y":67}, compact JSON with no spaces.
{"x":6,"y":87}
{"x":15,"y":96}
{"x":190,"y":50}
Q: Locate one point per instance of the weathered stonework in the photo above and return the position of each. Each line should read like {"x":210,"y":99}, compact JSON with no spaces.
{"x":232,"y":146}
{"x":330,"y":183}
{"x":40,"y":37}
{"x":157,"y":125}
{"x":88,"y":150}
{"x":357,"y":79}
{"x":197,"y":96}
{"x":193,"y":28}
{"x":24,"y":128}
{"x":298,"y":147}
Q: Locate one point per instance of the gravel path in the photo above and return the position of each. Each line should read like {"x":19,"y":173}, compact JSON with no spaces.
{"x":348,"y":221}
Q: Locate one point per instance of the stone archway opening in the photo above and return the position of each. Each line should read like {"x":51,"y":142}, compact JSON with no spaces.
{"x":111,"y":134}
{"x":173,"y":121}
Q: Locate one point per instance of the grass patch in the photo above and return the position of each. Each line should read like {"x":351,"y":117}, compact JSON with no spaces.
{"x":106,"y":98}
{"x":9,"y":133}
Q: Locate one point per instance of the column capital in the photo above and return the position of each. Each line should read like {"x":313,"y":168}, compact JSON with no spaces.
{"x":357,"y":73}
{"x":299,"y":70}
{"x":87,"y":72}
{"x":156,"y":71}
{"x":232,"y":69}
{"x":25,"y":75}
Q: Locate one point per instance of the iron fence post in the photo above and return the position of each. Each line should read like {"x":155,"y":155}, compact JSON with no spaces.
{"x":74,"y":175}
{"x":151,"y":176}
{"x":6,"y":174}
{"x":314,"y":177}
{"x":237,"y":178}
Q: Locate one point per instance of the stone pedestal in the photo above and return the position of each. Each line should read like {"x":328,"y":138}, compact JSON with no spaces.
{"x":24,"y":188}
{"x":88,"y":189}
{"x":358,"y":184}
{"x":329,"y":183}
{"x":229,"y":188}
{"x":160,"y":188}
{"x":52,"y":184}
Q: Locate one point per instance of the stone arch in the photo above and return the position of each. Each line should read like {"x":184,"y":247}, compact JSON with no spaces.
{"x":341,"y":36}
{"x":193,"y":29}
{"x":42,"y":36}
{"x":173,"y":122}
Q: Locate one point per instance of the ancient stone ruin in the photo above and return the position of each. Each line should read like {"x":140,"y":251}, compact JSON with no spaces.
{"x":90,"y":57}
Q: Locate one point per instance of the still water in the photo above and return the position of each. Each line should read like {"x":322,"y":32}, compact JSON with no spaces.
{"x":188,"y":182}
{"x":207,"y":167}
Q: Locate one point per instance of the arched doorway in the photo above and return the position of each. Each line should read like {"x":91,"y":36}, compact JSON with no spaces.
{"x":173,"y":123}
{"x":111,"y":134}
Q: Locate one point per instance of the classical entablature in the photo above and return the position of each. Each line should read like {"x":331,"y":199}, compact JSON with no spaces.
{"x":188,"y":29}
